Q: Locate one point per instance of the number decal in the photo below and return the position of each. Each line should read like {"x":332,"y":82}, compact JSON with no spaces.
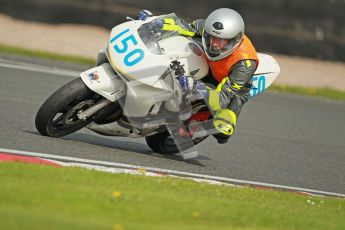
{"x":261,"y":85}
{"x":125,"y":43}
{"x":139,"y":53}
{"x":127,"y":46}
{"x":119,"y":35}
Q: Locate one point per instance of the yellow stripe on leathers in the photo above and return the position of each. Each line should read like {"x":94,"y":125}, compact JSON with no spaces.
{"x":224,"y":119}
{"x":234,"y":85}
{"x":248,"y":62}
{"x":169,"y":25}
{"x":213,"y":99}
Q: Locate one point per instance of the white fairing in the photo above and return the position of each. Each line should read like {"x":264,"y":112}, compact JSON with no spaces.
{"x":267,"y":71}
{"x":104,"y":81}
{"x":144,"y":66}
{"x":133,"y":59}
{"x":189,"y":53}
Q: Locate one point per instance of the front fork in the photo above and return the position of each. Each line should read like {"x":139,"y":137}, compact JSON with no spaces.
{"x":84,"y":115}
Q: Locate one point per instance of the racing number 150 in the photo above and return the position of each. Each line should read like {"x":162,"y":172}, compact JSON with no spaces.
{"x":261,"y":85}
{"x":133,"y":56}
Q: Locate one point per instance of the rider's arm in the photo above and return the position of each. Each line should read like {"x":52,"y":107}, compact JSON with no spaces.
{"x":198,"y":25}
{"x":179,"y":25}
{"x":236,"y":85}
{"x":233,"y":93}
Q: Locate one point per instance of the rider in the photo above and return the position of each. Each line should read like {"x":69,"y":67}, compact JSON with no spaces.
{"x":232,"y":59}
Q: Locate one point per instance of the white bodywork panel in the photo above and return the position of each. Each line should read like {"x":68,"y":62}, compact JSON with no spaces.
{"x":267,"y":71}
{"x":146,"y":72}
{"x":104,"y":81}
{"x":189,"y":53}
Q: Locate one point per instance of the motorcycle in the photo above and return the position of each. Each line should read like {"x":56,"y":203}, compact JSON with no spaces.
{"x":133,"y":91}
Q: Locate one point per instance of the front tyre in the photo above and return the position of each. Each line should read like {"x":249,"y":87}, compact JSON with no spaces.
{"x":57,"y":116}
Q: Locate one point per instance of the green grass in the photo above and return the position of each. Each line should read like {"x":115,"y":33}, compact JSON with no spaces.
{"x":322,"y":92}
{"x":43,"y":197}
{"x":46,"y":55}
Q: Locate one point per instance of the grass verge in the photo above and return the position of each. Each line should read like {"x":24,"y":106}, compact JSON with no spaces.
{"x":37,"y":196}
{"x":324,"y":92}
{"x":46,"y":55}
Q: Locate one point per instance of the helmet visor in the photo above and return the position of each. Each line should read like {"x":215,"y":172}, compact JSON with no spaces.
{"x":216,"y":46}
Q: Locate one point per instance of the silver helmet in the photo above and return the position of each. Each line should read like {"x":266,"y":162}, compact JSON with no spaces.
{"x":223,"y":33}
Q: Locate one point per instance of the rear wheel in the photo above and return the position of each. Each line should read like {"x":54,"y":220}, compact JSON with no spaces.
{"x":57,"y":116}
{"x":165,"y":143}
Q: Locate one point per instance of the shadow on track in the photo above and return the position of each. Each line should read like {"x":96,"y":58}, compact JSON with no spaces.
{"x":125,"y":145}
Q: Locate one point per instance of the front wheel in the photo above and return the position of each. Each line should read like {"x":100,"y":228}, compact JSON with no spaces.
{"x":57,"y":116}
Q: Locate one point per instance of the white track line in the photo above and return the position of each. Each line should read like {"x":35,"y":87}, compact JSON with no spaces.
{"x":170,"y":172}
{"x":39,"y":68}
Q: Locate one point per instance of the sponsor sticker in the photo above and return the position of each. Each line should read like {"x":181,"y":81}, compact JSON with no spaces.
{"x":94,"y":76}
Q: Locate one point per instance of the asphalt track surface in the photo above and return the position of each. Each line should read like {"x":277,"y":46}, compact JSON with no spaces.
{"x":280,"y":139}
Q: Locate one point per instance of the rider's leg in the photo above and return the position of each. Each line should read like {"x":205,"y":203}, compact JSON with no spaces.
{"x":228,"y":118}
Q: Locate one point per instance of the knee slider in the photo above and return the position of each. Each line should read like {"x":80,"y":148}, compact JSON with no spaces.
{"x":225,"y":121}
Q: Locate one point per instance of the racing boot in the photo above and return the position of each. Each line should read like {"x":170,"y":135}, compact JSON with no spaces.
{"x":224,"y":121}
{"x":221,"y":138}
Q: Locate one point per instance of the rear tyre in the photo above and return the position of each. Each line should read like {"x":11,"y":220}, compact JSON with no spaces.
{"x":57,"y":116}
{"x":164,"y":143}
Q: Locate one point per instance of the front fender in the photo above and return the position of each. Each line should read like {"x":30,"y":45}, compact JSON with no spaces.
{"x":103,"y":81}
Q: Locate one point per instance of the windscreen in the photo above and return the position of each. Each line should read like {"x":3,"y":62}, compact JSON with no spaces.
{"x":151,"y":32}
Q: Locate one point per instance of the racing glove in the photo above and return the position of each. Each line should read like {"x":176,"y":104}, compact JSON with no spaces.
{"x":144,"y":14}
{"x":186,"y":83}
{"x":200,"y":91}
